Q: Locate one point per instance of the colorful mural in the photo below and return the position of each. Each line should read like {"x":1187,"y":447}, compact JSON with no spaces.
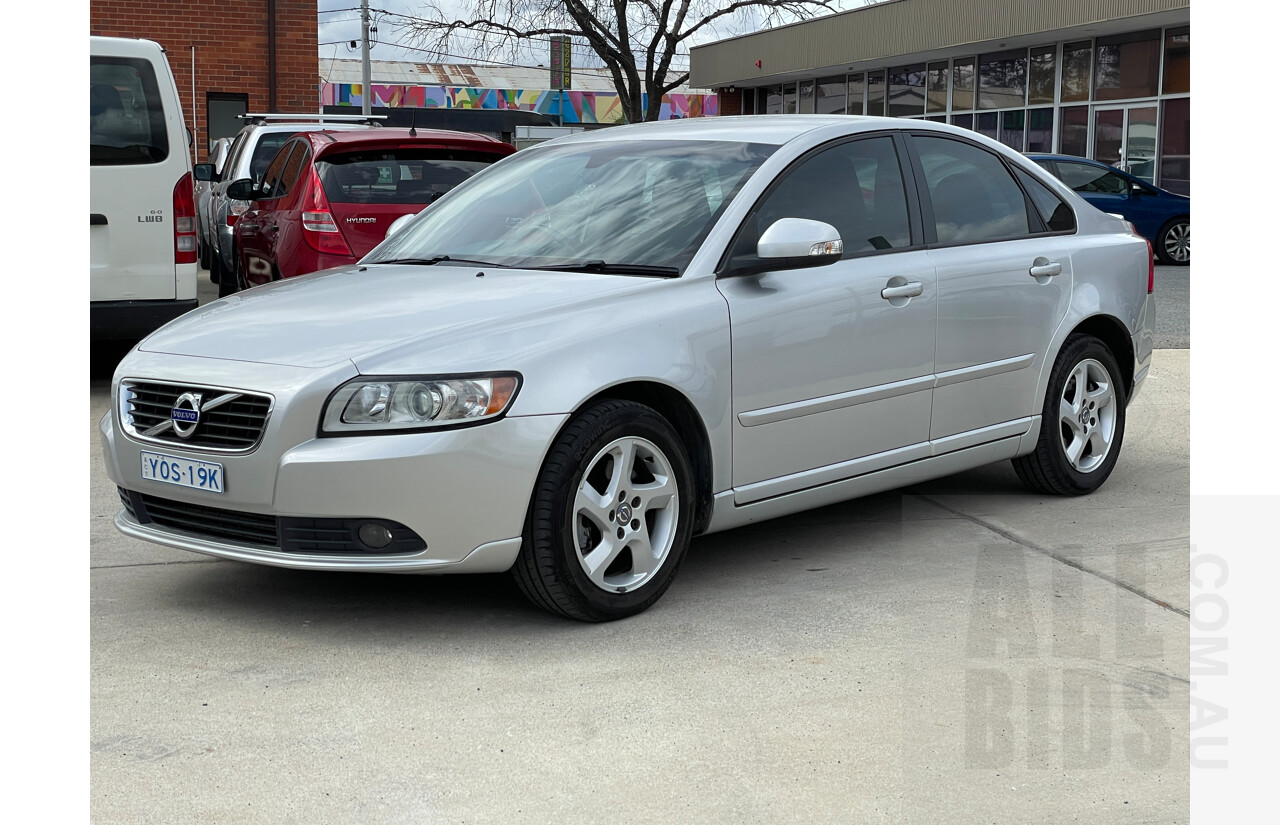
{"x":579,"y":107}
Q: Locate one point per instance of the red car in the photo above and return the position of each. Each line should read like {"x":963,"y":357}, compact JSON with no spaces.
{"x":327,"y":198}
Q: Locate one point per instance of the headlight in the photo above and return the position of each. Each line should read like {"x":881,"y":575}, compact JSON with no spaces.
{"x":376,"y":405}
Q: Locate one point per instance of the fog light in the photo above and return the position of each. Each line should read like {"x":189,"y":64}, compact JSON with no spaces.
{"x":374,"y":535}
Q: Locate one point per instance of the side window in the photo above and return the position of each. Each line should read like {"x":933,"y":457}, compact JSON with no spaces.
{"x":1057,"y":216}
{"x":272,"y":186}
{"x":856,"y":187}
{"x":1085,"y":178}
{"x":234,"y":153}
{"x":974,"y":197}
{"x":292,"y":169}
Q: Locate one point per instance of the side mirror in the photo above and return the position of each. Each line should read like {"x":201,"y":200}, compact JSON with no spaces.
{"x":793,"y":243}
{"x":243,"y":190}
{"x":400,"y":223}
{"x":205,"y":171}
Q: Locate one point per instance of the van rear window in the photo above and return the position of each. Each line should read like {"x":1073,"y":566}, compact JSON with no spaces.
{"x":126,"y":117}
{"x":397,"y":176}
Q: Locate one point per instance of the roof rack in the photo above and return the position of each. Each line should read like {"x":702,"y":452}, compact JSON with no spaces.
{"x":373,"y":120}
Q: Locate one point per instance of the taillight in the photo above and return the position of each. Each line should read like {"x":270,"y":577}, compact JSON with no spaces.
{"x":319,"y":229}
{"x":184,"y":221}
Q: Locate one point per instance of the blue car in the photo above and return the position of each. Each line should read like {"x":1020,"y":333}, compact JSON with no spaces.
{"x":1161,"y":217}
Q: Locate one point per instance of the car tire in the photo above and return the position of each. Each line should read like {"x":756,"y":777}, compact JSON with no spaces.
{"x":1173,"y":244}
{"x":616,"y":482}
{"x":1082,"y":426}
{"x":229,"y":279}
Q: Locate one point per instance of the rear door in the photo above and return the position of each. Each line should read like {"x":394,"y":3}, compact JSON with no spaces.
{"x":367,"y":188}
{"x":134,"y":168}
{"x":259,"y":227}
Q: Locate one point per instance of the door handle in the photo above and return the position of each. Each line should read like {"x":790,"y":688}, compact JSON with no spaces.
{"x":910,"y":290}
{"x":1044,"y":268}
{"x":274,"y":228}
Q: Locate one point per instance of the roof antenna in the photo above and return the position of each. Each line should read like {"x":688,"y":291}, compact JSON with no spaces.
{"x":413,"y":123}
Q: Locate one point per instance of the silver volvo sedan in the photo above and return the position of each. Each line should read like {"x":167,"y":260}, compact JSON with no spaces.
{"x":605,"y":345}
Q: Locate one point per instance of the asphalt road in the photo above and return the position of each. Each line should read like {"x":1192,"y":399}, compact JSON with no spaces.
{"x":961,"y":651}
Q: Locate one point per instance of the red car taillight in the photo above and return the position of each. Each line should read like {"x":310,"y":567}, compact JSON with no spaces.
{"x":319,"y":229}
{"x":184,"y":221}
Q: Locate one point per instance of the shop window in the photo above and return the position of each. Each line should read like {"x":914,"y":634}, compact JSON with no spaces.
{"x":829,"y":96}
{"x":806,"y":97}
{"x":1013,"y":127}
{"x":1040,"y":130}
{"x":1040,"y":73}
{"x":1074,"y":137}
{"x":1175,"y":147}
{"x":857,"y":95}
{"x":1002,"y":79}
{"x":906,"y":91}
{"x":1177,"y":60}
{"x":875,"y":93}
{"x":748,"y":101}
{"x":963,"y":121}
{"x":789,"y":99}
{"x":773,"y":100}
{"x":1128,"y":66}
{"x":1077,"y":62}
{"x":962,"y":79}
{"x":988,"y":123}
{"x":936,"y":84}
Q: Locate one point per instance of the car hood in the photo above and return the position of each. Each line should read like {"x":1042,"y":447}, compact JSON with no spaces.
{"x":343,"y":314}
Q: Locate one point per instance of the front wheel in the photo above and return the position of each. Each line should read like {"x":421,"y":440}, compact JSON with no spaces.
{"x":611,"y":516}
{"x":1082,"y":426}
{"x":229,"y":280}
{"x":1173,"y":246}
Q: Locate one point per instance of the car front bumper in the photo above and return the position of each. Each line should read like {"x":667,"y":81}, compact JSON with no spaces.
{"x":464,"y":492}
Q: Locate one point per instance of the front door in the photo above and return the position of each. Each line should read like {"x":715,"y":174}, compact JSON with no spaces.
{"x":831,"y":378}
{"x":1125,"y":137}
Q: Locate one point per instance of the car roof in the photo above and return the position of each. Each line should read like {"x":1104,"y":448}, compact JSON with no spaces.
{"x":325,"y":141}
{"x":769,"y":129}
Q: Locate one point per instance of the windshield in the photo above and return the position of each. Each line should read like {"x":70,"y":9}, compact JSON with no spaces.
{"x":606,"y":204}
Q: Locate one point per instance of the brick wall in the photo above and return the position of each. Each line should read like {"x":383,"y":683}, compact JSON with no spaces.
{"x":231,"y":49}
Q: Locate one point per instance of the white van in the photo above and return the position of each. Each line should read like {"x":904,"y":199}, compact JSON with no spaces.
{"x":142,"y":220}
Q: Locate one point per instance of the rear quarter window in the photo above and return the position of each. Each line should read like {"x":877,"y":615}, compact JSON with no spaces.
{"x":396,"y":176}
{"x":126,"y":116}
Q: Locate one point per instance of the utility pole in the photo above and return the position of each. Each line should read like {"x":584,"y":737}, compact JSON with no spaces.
{"x":366,"y":89}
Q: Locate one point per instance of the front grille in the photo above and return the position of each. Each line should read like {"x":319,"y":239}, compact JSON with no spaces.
{"x":235,"y":425}
{"x":311,"y":536}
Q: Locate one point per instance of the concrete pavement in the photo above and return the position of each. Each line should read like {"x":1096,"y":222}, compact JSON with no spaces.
{"x":961,"y":651}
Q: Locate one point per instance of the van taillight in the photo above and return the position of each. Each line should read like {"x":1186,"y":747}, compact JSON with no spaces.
{"x":184,"y":221}
{"x":320,"y":230}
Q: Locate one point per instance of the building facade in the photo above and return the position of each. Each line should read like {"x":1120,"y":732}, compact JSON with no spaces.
{"x":1103,"y":80}
{"x":228,"y":58}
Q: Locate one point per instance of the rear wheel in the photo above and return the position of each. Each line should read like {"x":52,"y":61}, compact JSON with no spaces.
{"x":611,"y":516}
{"x":1173,"y":245}
{"x":1082,"y":426}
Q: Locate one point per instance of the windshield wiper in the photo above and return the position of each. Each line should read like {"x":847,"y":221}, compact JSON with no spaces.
{"x":436,"y":260}
{"x":616,"y":269}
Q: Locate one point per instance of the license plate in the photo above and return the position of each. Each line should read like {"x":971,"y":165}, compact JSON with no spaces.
{"x":198,"y":475}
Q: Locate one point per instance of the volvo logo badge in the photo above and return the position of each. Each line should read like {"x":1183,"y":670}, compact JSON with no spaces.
{"x":185,"y":414}
{"x":624,"y":514}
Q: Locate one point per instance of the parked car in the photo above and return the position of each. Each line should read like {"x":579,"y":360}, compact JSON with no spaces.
{"x":1161,"y":217}
{"x":204,"y":200}
{"x":328,"y":198}
{"x":142,"y":234}
{"x":250,"y":153}
{"x":604,"y":345}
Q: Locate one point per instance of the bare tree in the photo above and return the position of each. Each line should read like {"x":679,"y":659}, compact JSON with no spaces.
{"x":636,"y":40}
